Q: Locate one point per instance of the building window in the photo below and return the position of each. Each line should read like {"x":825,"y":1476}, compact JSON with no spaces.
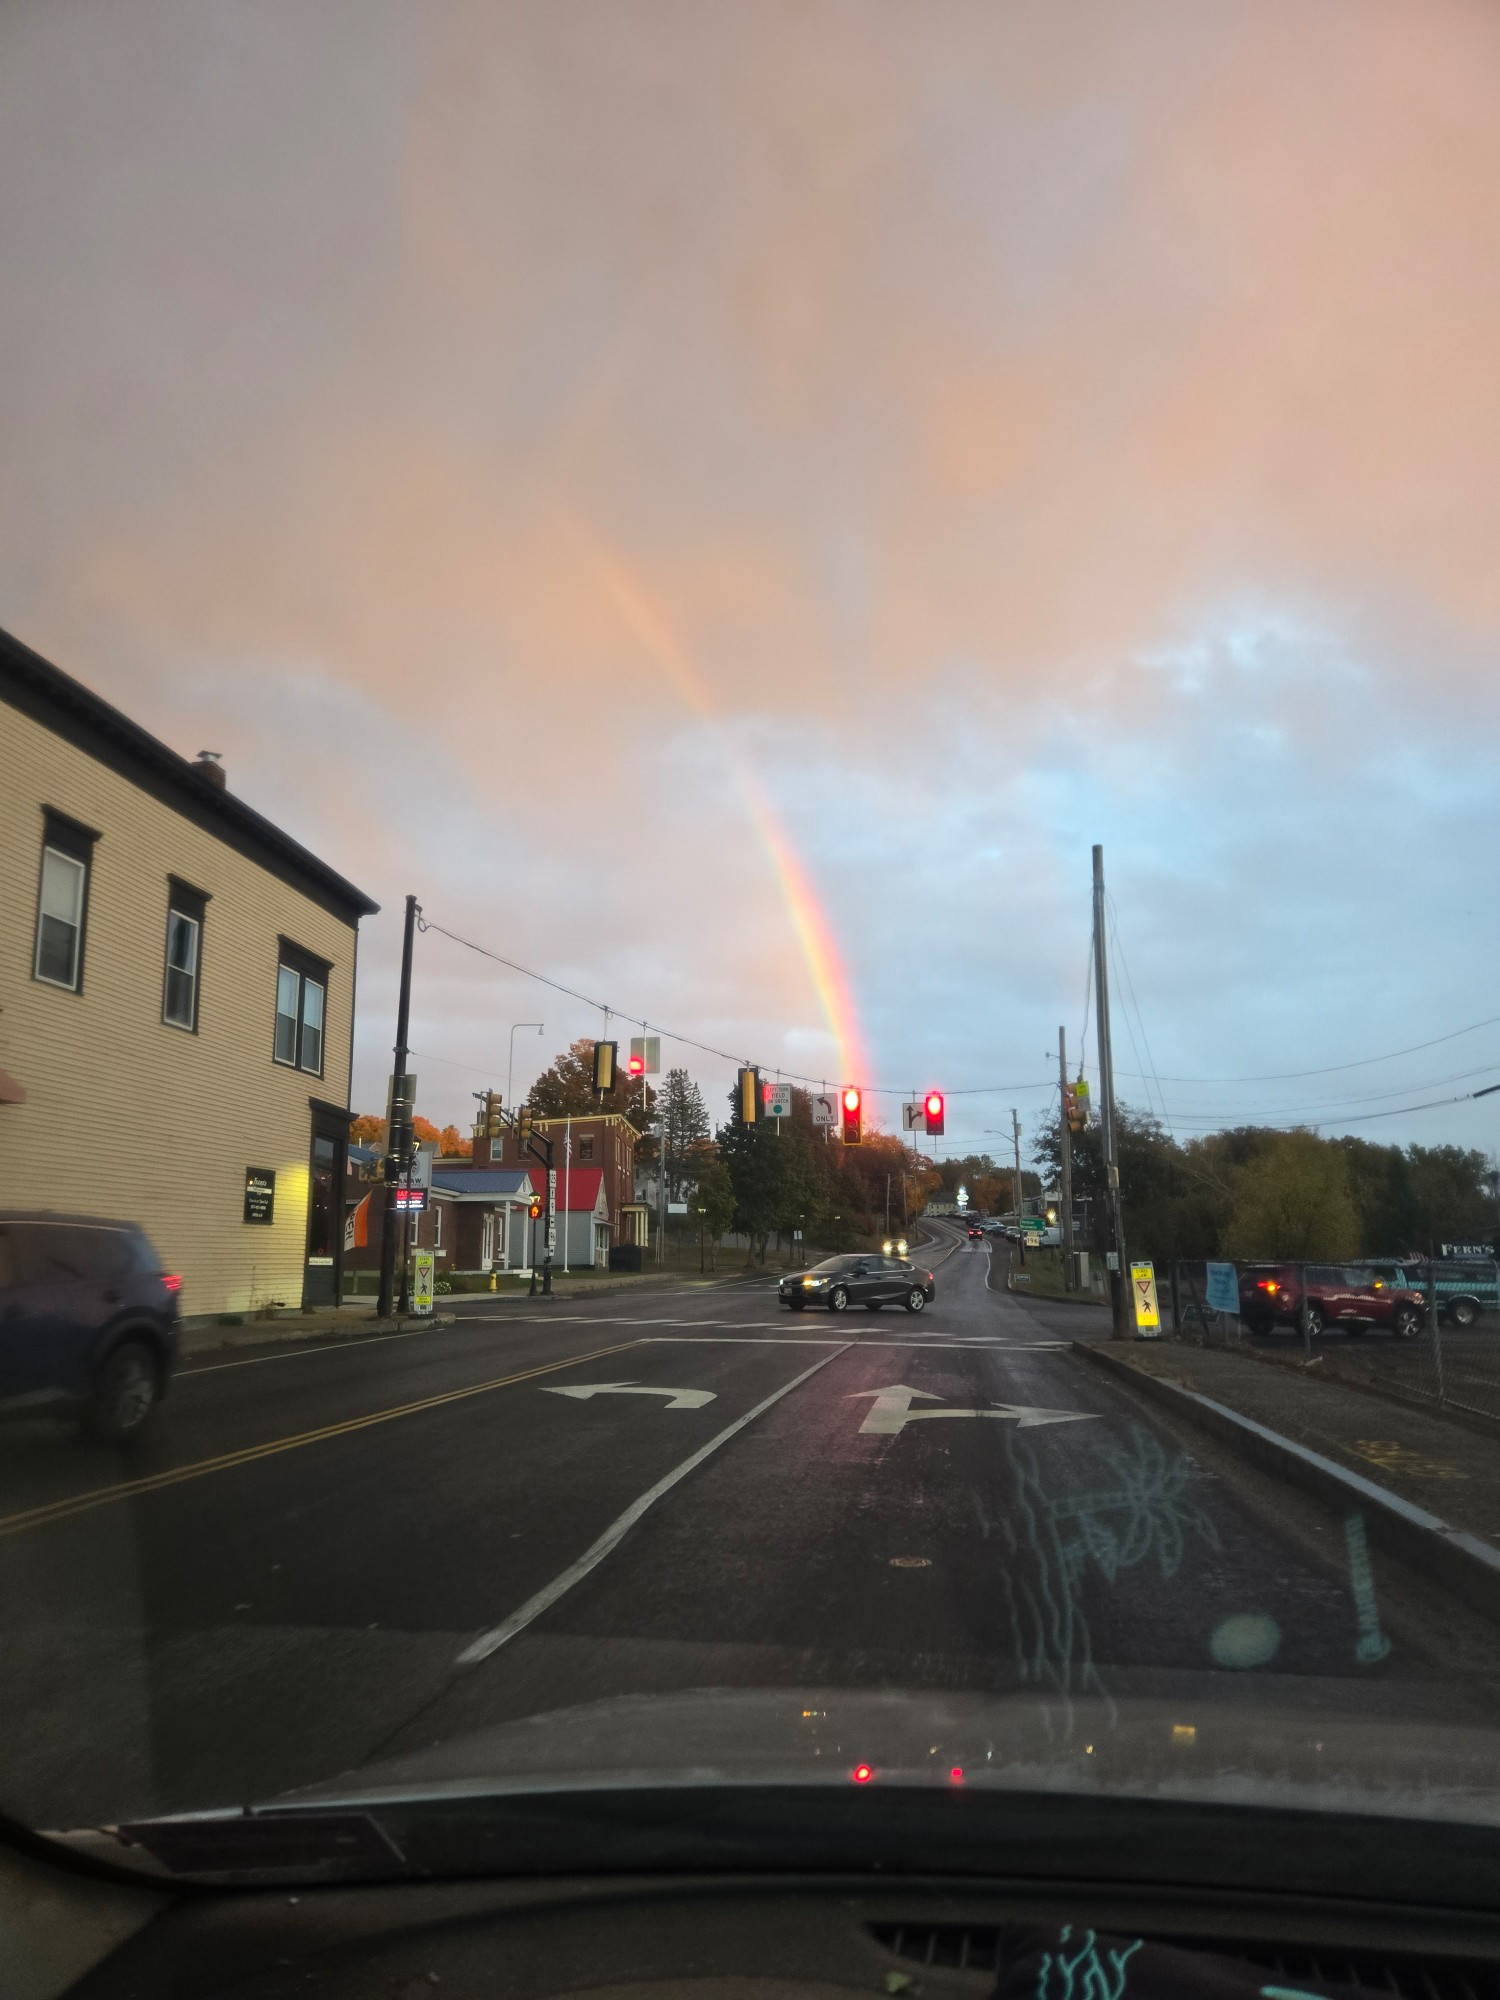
{"x":63,"y":901}
{"x":301,"y":1000}
{"x":585,"y":1149}
{"x":437,"y":1227}
{"x":185,"y":907}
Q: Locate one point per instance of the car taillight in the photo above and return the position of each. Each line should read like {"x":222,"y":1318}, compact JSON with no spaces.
{"x":1266,"y":1285}
{"x":173,"y":1282}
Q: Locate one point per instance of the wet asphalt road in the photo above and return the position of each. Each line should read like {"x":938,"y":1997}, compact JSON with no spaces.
{"x":332,"y":1553}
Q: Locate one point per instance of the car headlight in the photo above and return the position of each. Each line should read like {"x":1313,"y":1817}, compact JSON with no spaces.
{"x":813,"y":1283}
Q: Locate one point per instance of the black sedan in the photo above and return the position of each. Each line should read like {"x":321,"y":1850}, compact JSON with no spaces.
{"x":863,"y":1279}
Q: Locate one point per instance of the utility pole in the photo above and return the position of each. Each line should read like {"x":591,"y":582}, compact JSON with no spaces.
{"x":1015,"y":1133}
{"x":398,"y":1143}
{"x":1117,"y":1291}
{"x":1066,"y":1150}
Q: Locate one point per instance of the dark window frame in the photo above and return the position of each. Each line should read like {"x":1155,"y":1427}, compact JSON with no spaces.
{"x":183,"y":900}
{"x":305,"y":966}
{"x":73,"y":841}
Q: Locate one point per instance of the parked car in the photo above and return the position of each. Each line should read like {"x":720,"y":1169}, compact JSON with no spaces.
{"x":860,"y":1279}
{"x":88,"y":1319}
{"x":1312,"y":1296}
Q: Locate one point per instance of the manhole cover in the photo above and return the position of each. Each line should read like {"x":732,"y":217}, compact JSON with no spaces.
{"x":911,"y":1562}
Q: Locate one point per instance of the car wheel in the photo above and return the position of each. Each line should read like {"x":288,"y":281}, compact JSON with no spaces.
{"x":1463,"y":1312}
{"x":1312,"y":1321}
{"x":125,"y":1391}
{"x":838,"y":1300}
{"x":1407,"y":1323}
{"x":916,"y":1299}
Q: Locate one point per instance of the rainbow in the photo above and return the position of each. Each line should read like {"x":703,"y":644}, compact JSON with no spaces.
{"x":649,"y":624}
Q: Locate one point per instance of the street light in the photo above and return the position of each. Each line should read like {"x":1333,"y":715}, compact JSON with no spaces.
{"x":510,"y":1072}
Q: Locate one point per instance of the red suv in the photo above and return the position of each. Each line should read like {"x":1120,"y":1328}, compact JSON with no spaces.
{"x":1312,"y":1296}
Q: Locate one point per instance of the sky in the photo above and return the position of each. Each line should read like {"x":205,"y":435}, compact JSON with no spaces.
{"x":728,"y":505}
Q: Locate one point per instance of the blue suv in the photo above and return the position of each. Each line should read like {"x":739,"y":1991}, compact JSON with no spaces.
{"x":88,"y":1319}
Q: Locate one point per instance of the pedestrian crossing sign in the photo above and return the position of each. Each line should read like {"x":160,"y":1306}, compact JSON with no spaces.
{"x":1143,"y":1292}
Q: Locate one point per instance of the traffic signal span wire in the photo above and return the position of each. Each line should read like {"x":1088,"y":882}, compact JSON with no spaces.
{"x":691,"y":1041}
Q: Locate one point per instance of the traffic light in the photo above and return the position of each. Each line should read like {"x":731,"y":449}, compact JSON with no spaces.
{"x":492,"y":1126}
{"x":851,"y":1104}
{"x":536,"y":1207}
{"x":932,"y":1105}
{"x":606,"y":1061}
{"x":637,"y":1064}
{"x":1076,"y":1105}
{"x":523,"y":1124}
{"x":750,"y":1096}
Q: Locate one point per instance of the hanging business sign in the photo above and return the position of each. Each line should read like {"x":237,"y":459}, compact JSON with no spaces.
{"x":260,"y":1194}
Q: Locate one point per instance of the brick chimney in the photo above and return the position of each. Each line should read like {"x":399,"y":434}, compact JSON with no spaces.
{"x":207,"y":765}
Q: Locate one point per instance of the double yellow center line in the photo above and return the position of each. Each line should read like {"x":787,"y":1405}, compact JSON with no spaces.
{"x":129,"y":1489}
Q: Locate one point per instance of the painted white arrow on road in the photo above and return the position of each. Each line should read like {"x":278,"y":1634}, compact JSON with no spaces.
{"x":678,"y":1399}
{"x":891,"y":1411}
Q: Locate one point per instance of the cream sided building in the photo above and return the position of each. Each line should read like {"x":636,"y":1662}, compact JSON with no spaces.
{"x":176,"y":1002}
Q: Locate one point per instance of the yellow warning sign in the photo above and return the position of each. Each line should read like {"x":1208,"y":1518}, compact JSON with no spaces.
{"x":1143,"y":1291}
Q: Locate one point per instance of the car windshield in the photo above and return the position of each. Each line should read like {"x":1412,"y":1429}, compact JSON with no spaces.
{"x":699,"y":707}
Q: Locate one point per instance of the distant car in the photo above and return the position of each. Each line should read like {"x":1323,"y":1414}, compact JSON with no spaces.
{"x":863,"y":1278}
{"x":88,"y":1319}
{"x":1312,"y":1296}
{"x":975,"y":1230}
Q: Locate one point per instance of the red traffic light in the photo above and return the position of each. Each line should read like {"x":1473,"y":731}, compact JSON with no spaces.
{"x":850,"y":1102}
{"x":637,"y":1065}
{"x":932,"y":1107}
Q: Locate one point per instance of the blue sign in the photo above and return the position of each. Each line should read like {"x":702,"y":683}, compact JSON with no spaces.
{"x":1221,"y":1290}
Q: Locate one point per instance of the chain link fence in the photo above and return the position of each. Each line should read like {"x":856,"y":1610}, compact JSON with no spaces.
{"x":1427,"y":1330}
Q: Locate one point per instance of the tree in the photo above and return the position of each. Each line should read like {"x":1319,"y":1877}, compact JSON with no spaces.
{"x":454,"y":1146}
{"x":752,"y":1154}
{"x":1293,"y":1202}
{"x":679,"y":1105}
{"x":367,"y":1130}
{"x":715,"y":1204}
{"x":566,"y":1089}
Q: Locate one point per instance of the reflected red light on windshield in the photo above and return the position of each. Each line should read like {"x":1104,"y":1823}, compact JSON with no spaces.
{"x":862,"y":1774}
{"x":957,"y":1774}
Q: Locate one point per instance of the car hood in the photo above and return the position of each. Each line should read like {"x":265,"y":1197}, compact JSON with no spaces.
{"x":1323,"y":1746}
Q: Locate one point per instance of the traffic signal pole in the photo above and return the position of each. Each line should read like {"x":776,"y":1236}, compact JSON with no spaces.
{"x":397,"y":1146}
{"x":1117,"y":1292}
{"x":1066,"y":1131}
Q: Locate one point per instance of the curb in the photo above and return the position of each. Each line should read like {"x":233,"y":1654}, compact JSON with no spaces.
{"x":272,"y":1333}
{"x":1410,"y":1533}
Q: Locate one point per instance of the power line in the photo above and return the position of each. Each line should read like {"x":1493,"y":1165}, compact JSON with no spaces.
{"x":691,"y":1041}
{"x":1329,"y":1106}
{"x":1327,"y":1069}
{"x":1401,"y":1110}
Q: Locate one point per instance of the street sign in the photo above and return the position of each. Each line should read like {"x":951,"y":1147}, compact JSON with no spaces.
{"x":825,"y":1108}
{"x":1032,"y":1240}
{"x":1143,"y":1292}
{"x":1221,"y":1290}
{"x":421,"y":1281}
{"x":914,"y":1116}
{"x":551,"y":1210}
{"x":891,"y":1411}
{"x":677,"y":1399}
{"x":677,"y":1208}
{"x":778,"y":1098}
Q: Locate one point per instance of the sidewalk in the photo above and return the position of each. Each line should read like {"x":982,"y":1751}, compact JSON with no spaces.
{"x":1429,"y":1488}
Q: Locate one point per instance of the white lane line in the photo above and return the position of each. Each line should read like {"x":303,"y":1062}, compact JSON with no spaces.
{"x":815,"y":1341}
{"x":300,"y":1353}
{"x":491,"y":1641}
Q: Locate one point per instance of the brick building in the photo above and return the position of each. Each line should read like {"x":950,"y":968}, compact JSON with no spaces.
{"x":602,"y":1140}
